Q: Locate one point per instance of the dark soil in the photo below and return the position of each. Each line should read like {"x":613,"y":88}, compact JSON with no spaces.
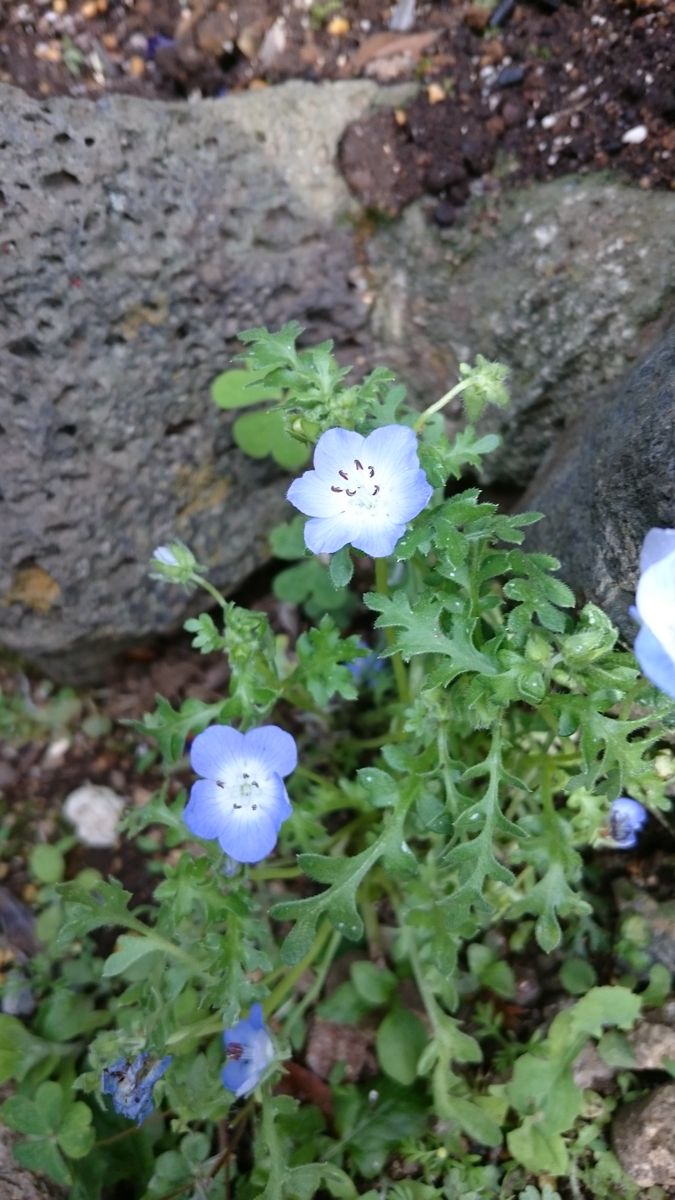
{"x":529,"y":91}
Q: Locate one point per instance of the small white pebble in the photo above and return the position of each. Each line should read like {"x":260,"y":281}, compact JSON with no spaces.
{"x":94,"y":811}
{"x":56,"y":751}
{"x":633,"y":137}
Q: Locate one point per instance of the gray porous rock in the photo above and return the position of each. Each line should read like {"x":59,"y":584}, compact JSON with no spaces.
{"x":611,"y":478}
{"x":566,"y":282}
{"x":137,"y":240}
{"x":642,"y":1137}
{"x":16,"y":1183}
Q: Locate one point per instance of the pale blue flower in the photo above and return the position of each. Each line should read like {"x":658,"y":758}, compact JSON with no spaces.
{"x":655,"y":604}
{"x":626,"y":818}
{"x":165,"y":555}
{"x":362,"y":491}
{"x":249,"y":1052}
{"x":241,"y":800}
{"x":130,"y":1084}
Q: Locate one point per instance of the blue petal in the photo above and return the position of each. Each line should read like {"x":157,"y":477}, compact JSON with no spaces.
{"x":239,"y":1035}
{"x":313,"y":496}
{"x":392,"y":449}
{"x":157,"y":1070}
{"x":234,"y":1074}
{"x":214,"y":748}
{"x":336,"y":450}
{"x":277,"y":803}
{"x":326,"y":535}
{"x":274,"y":747}
{"x":255,"y":1017}
{"x":378,"y":541}
{"x":654,"y":662}
{"x":248,"y":836}
{"x":626,"y":818}
{"x":206,"y":809}
{"x":409,"y":496}
{"x":658,"y":544}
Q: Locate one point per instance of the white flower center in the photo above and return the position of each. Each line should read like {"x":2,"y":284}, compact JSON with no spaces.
{"x":245,"y":788}
{"x":359,"y":486}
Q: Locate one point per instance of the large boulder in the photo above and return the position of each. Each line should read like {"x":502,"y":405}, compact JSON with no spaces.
{"x":137,"y":240}
{"x":611,"y":478}
{"x":567,"y":283}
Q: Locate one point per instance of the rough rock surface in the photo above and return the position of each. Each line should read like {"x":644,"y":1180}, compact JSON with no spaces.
{"x":137,"y":240}
{"x":18,"y":1184}
{"x":642,"y":1135}
{"x":571,"y":284}
{"x":610,"y":480}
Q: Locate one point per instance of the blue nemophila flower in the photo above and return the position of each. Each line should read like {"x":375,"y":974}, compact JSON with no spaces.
{"x":241,"y":800}
{"x":249,"y":1052}
{"x":362,"y":491}
{"x":626,"y":818}
{"x":655,"y":604}
{"x":130,"y":1084}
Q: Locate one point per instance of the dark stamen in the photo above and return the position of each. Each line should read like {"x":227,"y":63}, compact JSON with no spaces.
{"x":343,"y":474}
{"x":351,"y":493}
{"x":336,"y":489}
{"x":371,"y":471}
{"x":376,"y":489}
{"x":237,"y":806}
{"x":358,"y":464}
{"x":219,"y":783}
{"x":235,"y":1051}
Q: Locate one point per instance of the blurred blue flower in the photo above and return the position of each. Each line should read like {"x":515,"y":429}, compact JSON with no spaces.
{"x":362,"y":491}
{"x":131,"y":1084}
{"x":626,"y":818}
{"x":365,"y":669}
{"x":655,"y":605}
{"x":157,"y":41}
{"x":241,"y":800}
{"x":249,"y":1052}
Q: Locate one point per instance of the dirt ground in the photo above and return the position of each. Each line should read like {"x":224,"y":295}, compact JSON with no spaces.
{"x":507,"y":92}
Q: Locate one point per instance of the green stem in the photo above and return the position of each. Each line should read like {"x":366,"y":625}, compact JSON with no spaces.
{"x":260,"y":873}
{"x":382,"y":586}
{"x":431,"y":1005}
{"x":213,"y":591}
{"x":286,"y":985}
{"x":438,"y":404}
{"x":274,"y":1188}
{"x":317,"y":986}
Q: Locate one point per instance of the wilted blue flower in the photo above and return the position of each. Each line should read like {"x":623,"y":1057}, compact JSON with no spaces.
{"x":131,"y":1084}
{"x":626,"y":818}
{"x":249,"y":1052}
{"x":241,"y":800}
{"x":362,"y":491}
{"x":655,"y":603}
